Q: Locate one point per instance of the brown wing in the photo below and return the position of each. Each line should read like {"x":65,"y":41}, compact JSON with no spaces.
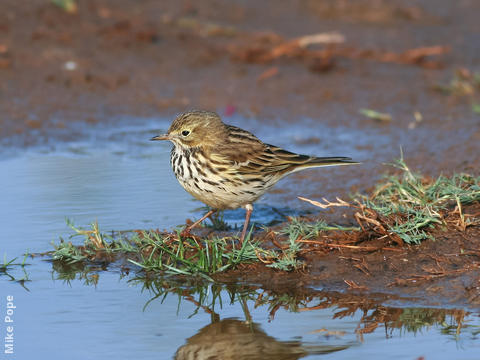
{"x":245,"y":154}
{"x":240,"y":147}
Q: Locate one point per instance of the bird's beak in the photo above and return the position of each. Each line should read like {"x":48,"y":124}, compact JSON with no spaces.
{"x":161,"y":137}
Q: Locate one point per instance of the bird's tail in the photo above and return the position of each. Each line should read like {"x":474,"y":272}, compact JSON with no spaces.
{"x":330,"y":161}
{"x":288,"y":162}
{"x":313,"y":161}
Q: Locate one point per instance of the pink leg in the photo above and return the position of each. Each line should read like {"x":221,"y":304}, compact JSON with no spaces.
{"x":249,"y":209}
{"x":189,"y":228}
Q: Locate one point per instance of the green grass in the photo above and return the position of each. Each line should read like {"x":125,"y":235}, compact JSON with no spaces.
{"x":95,"y":243}
{"x":287,"y":257}
{"x":410,"y":205}
{"x":173,"y":254}
{"x":187,"y":256}
{"x":10,"y":266}
{"x":153,"y":251}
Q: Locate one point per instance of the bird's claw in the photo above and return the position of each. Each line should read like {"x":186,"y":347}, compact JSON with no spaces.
{"x":186,"y":233}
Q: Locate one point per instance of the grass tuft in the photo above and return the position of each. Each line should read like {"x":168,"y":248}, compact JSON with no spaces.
{"x":186,"y":256}
{"x":408,"y":204}
{"x":9,"y":266}
{"x":155,"y":251}
{"x":287,"y":258}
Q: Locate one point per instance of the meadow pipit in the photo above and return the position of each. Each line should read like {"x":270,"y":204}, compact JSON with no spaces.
{"x":226,"y":167}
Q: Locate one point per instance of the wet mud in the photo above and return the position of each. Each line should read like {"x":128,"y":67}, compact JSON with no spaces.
{"x":440,"y":272}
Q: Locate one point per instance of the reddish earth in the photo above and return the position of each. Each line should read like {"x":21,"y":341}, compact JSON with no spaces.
{"x":150,"y":58}
{"x":445,"y":271}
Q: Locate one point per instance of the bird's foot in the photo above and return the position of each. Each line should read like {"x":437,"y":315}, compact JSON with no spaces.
{"x":187,"y":234}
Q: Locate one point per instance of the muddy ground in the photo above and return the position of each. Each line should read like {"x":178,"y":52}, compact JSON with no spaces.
{"x":440,"y":272}
{"x":149,"y":58}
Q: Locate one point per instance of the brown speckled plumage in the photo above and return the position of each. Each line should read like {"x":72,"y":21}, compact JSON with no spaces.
{"x":227,"y":167}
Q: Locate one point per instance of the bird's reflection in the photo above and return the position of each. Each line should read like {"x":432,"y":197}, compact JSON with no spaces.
{"x":236,"y":339}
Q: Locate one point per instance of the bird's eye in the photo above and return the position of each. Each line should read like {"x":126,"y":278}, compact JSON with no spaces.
{"x":185,"y":132}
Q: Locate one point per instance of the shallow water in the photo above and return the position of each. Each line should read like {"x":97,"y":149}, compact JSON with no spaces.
{"x":115,"y":176}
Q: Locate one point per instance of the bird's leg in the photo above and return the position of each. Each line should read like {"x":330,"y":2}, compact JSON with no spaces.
{"x":187,"y":230}
{"x":249,"y":209}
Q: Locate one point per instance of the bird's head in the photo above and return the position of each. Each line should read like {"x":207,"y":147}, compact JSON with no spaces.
{"x":195,"y":128}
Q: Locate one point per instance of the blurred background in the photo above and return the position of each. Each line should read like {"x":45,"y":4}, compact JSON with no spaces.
{"x":94,"y":61}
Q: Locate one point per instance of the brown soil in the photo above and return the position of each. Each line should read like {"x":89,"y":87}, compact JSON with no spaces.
{"x":152,"y":58}
{"x":444,"y":271}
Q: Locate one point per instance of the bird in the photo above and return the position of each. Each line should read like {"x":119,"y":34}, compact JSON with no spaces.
{"x":226,"y":167}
